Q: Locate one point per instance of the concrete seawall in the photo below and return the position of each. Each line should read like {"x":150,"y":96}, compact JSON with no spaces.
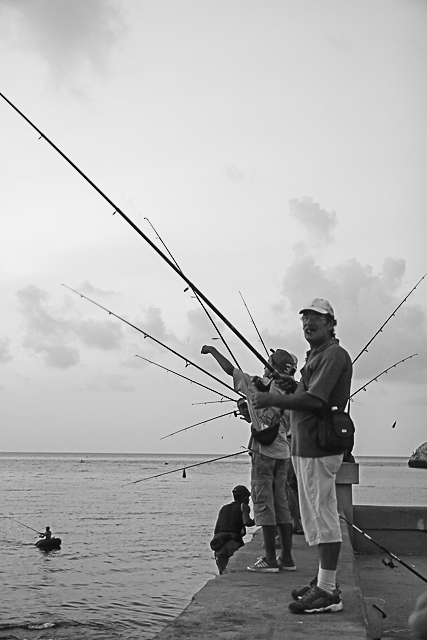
{"x":243,"y":605}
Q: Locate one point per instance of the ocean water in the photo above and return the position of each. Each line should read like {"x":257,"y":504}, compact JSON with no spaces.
{"x":132,"y":555}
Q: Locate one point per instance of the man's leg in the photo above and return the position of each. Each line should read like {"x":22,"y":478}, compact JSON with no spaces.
{"x":329,"y":554}
{"x":269,"y":534}
{"x":282,"y":512}
{"x":316,"y":478}
{"x":263,"y":508}
{"x":285,"y":533}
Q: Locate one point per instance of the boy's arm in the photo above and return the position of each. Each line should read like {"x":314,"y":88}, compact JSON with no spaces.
{"x":246,"y":513}
{"x":225,"y":364}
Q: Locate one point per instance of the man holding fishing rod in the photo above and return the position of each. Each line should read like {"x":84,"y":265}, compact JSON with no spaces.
{"x":325,"y":383}
{"x":270,"y":460}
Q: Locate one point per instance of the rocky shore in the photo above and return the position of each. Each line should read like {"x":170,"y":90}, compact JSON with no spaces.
{"x":419,"y":458}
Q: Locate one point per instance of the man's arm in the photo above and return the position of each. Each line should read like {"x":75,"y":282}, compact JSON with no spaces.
{"x":225,"y":364}
{"x":303,"y":401}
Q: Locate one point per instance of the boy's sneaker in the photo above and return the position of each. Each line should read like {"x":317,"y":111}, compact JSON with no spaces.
{"x":286,"y":566}
{"x":262,"y":566}
{"x":317,"y":600}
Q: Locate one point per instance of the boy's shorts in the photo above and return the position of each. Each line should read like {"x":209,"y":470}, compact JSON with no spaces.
{"x":317,"y":497}
{"x":269,"y":490}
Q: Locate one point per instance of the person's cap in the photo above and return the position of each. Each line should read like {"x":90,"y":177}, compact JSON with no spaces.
{"x":281,"y":358}
{"x":320,"y":305}
{"x":241,"y":490}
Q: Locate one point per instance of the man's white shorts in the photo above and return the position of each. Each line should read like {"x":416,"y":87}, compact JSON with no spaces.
{"x":317,"y":497}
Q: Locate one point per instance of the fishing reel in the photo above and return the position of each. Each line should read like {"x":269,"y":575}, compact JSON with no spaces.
{"x":260,"y":385}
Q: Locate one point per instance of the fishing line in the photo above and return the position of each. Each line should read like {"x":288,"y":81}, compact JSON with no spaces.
{"x":147,"y":335}
{"x":363,"y":387}
{"x":170,"y":262}
{"x":407,"y":566}
{"x":256,"y":328}
{"x":198,"y":464}
{"x":198,"y":299}
{"x":24,"y":525}
{"x":189,"y":379}
{"x":230,"y":413}
{"x":365,"y":348}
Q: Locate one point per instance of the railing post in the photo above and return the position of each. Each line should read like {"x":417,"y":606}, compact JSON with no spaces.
{"x":347,"y":476}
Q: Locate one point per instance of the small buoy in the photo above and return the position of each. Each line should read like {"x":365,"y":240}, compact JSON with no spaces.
{"x":184,"y":475}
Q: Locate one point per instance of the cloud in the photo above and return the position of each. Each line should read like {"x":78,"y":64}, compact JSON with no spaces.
{"x":154,"y":324}
{"x":89,"y":289}
{"x":73,"y":37}
{"x":363,"y":300}
{"x":110,"y":382}
{"x":5,"y":354}
{"x":318,"y":222}
{"x":53,"y":335}
{"x":239,"y":175}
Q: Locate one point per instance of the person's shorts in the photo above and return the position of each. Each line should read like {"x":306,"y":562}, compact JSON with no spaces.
{"x":229,"y":549}
{"x":269,"y":490}
{"x":317,"y":497}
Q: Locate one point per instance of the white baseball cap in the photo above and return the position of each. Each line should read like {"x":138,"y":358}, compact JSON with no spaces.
{"x":320,"y":305}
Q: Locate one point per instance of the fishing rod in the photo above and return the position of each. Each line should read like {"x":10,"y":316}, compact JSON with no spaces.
{"x":256,"y":328}
{"x":198,"y":464}
{"x":24,"y":525}
{"x":365,"y":348}
{"x":170,"y":262}
{"x":193,"y":404}
{"x":147,"y":335}
{"x":363,"y":387}
{"x":230,"y":413}
{"x":189,"y":379}
{"x":407,"y":566}
{"x":198,"y":298}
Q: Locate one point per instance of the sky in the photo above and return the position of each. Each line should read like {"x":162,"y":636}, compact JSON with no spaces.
{"x":276,"y":150}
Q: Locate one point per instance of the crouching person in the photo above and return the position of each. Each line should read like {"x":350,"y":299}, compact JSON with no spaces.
{"x":233,"y":518}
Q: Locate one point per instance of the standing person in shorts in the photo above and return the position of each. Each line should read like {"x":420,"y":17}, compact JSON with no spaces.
{"x":270,"y":463}
{"x":325,"y":382}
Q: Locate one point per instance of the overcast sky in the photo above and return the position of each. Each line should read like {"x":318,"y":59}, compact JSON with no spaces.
{"x":279,"y":150}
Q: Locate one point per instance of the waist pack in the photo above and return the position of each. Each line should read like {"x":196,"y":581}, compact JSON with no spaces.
{"x":266,"y":436}
{"x":336,"y":431}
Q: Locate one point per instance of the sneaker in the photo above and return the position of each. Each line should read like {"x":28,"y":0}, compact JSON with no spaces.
{"x":317,"y":600}
{"x":262,"y":566}
{"x":286,"y":566}
{"x":298,"y":593}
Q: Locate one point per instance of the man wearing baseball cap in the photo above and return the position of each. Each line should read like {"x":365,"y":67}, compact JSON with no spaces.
{"x":325,"y":382}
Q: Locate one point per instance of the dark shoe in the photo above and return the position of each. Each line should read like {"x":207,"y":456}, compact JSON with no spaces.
{"x":316,"y":600}
{"x":298,"y":593}
{"x":286,"y":566}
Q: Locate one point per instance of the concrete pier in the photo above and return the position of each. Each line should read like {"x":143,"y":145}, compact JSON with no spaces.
{"x":243,"y":605}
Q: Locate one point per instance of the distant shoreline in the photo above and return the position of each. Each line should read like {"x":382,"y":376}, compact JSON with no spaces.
{"x":80,"y":454}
